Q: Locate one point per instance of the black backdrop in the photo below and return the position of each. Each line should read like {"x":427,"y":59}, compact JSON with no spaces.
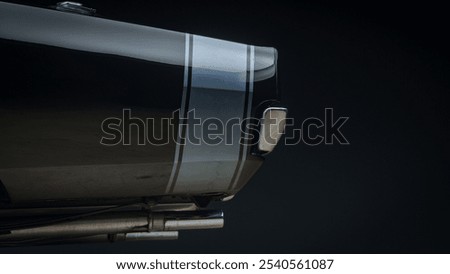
{"x":382,"y":63}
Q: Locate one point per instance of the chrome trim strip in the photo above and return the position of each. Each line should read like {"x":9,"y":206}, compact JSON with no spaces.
{"x":182,"y":112}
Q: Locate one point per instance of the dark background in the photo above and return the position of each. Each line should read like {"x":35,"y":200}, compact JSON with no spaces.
{"x":384,"y":64}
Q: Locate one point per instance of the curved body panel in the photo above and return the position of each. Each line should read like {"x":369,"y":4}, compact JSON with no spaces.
{"x":94,"y":109}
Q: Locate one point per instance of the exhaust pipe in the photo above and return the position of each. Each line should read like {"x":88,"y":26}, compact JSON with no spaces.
{"x":121,"y":237}
{"x":125,"y":225}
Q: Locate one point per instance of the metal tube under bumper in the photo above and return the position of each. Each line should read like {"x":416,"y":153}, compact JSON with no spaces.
{"x":151,"y":236}
{"x":131,"y":225}
{"x":171,"y":225}
{"x":108,"y":224}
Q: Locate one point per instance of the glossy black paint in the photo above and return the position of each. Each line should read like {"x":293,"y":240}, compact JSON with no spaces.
{"x":66,"y":74}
